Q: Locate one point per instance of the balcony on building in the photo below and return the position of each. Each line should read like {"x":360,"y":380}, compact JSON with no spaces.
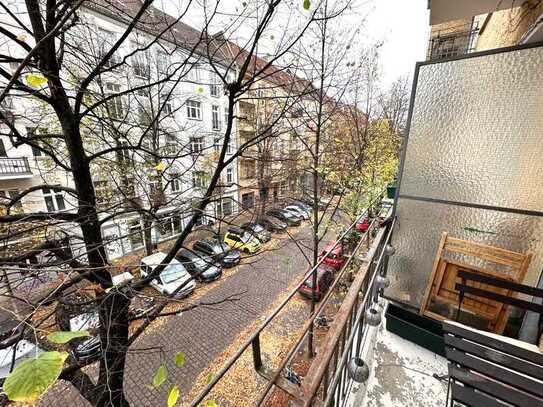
{"x":452,"y":41}
{"x":247,"y":116}
{"x":13,"y":168}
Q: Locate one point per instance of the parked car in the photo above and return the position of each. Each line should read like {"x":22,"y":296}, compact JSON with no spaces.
{"x":298,"y":211}
{"x":200,"y":266}
{"x":363,"y":224}
{"x":12,"y":341}
{"x":87,"y":348}
{"x":336,"y":258}
{"x":238,"y":238}
{"x":257,"y":230}
{"x":302,"y":205}
{"x":272,"y":224}
{"x":219,"y":251}
{"x":169,"y":279}
{"x":325,"y":277}
{"x":289,"y":218}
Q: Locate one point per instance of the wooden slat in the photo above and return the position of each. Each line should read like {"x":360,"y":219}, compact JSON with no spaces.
{"x":496,"y":372}
{"x":498,"y":282}
{"x":526,"y":305}
{"x":511,"y":362}
{"x":494,"y":343}
{"x":501,"y":391}
{"x":471,"y":398}
{"x":429,"y":286}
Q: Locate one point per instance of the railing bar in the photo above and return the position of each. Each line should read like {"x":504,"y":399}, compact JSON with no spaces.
{"x":361,"y":313}
{"x":264,"y":324}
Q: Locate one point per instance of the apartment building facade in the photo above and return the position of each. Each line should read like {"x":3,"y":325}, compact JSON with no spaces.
{"x":458,"y":28}
{"x":186,"y":135}
{"x":168,"y":97}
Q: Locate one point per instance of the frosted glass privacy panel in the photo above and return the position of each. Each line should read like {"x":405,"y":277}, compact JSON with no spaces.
{"x":476,"y":138}
{"x":418,"y":232}
{"x":476,"y":132}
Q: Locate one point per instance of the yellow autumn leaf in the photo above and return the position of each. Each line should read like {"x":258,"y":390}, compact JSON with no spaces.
{"x":35,"y":81}
{"x":160,"y":166}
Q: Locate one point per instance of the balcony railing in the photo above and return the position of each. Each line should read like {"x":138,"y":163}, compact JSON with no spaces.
{"x":452,"y":42}
{"x":330,"y":375}
{"x":14,"y":166}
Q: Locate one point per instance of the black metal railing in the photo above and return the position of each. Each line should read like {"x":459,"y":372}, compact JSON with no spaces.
{"x":452,"y":42}
{"x":14,"y":166}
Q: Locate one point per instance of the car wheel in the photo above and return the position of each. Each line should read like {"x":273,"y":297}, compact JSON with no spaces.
{"x":246,"y":251}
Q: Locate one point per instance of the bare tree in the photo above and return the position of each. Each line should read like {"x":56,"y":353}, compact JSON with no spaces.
{"x":90,"y":128}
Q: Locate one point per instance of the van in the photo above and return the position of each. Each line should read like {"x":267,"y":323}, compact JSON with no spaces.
{"x":171,"y":278}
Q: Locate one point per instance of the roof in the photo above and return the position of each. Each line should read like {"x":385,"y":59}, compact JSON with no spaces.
{"x":157,"y":22}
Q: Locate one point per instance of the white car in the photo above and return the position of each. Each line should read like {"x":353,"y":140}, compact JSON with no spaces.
{"x":171,"y":278}
{"x":23,"y":350}
{"x":298,"y":211}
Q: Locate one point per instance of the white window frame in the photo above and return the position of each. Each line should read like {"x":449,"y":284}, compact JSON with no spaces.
{"x":229,"y":175}
{"x":215,"y":118}
{"x":115,"y":104}
{"x":197,"y":145}
{"x":194,"y":109}
{"x":214,"y":86}
{"x":54,"y":199}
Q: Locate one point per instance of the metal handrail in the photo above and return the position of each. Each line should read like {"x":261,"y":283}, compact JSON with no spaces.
{"x":348,"y":346}
{"x":254,"y":338}
{"x":313,"y":316}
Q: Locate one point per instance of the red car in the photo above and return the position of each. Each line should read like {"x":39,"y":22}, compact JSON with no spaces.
{"x":335,"y":258}
{"x":363,"y":225}
{"x":325,"y":276}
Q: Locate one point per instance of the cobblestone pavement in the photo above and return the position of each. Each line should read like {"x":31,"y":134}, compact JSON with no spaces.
{"x":204,"y":332}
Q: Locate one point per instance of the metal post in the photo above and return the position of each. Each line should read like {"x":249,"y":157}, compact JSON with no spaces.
{"x":257,"y":357}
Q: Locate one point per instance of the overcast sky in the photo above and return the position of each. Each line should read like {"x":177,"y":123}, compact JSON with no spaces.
{"x":402,"y":25}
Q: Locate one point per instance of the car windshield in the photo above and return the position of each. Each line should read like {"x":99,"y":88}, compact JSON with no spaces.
{"x":257,"y":228}
{"x":221,"y":248}
{"x":202,"y":262}
{"x":172,"y":272}
{"x":246,"y":238}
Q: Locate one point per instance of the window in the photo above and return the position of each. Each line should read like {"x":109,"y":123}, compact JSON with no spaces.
{"x":54,"y":199}
{"x":196,"y":145}
{"x":214,"y":87}
{"x":124,"y":152}
{"x":229,"y":148}
{"x":140,"y":61}
{"x":217,"y":144}
{"x":284,"y":187}
{"x":170,"y":143}
{"x":248,"y":200}
{"x":215,"y":118}
{"x":198,"y":179}
{"x":227,"y":207}
{"x":11,"y":194}
{"x":194,"y":73}
{"x":135,"y":236}
{"x":226,"y":115}
{"x":162,"y":61}
{"x":248,"y":169}
{"x":166,"y":101}
{"x":175,"y":182}
{"x":2,"y":149}
{"x":194,"y":110}
{"x":115,"y":104}
{"x":229,"y":176}
{"x":144,"y":117}
{"x":107,"y":40}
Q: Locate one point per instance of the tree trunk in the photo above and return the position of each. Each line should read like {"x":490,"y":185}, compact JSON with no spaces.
{"x":114,"y":340}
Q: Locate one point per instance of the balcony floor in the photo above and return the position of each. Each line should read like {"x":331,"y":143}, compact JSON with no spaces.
{"x":401,"y":375}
